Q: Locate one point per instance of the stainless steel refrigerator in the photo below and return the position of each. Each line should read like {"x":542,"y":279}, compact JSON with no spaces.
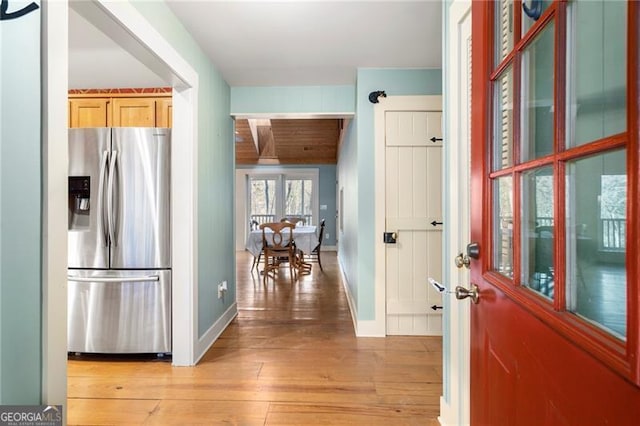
{"x":119,"y":276}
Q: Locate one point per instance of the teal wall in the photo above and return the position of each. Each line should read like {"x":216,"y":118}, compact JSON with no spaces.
{"x":292,"y":100}
{"x":348,"y":184}
{"x":395,"y":83}
{"x":20,"y":207}
{"x":216,"y":249}
{"x":326,"y":192}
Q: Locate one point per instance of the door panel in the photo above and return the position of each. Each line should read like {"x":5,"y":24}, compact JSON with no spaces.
{"x":164,"y":112}
{"x":89,"y":113}
{"x":533,"y":361}
{"x":134,"y":112}
{"x":142,"y":237}
{"x":119,"y":311}
{"x":414,"y":213}
{"x":87,"y":239}
{"x":500,"y":371}
{"x":524,"y":373}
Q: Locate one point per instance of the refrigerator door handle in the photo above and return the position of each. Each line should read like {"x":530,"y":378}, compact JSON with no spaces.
{"x":101,"y":196}
{"x":146,"y":278}
{"x":110,"y":201}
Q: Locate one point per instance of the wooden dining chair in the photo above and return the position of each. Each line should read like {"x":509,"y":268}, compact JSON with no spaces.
{"x":278,"y":247}
{"x":315,"y":253}
{"x":294,"y":219}
{"x":253,"y":226}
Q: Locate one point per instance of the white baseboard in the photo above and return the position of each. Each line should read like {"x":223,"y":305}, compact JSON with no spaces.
{"x":212,"y":334}
{"x":362,"y":328}
{"x":347,"y":290}
{"x":370,"y":329}
{"x":449,"y":415}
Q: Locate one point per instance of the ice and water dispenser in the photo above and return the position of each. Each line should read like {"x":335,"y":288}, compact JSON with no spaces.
{"x":79,"y":201}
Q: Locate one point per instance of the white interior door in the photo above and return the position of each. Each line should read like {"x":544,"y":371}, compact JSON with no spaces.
{"x":413,"y":215}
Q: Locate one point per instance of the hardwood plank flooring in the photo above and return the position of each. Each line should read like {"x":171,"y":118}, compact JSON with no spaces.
{"x":290,"y":358}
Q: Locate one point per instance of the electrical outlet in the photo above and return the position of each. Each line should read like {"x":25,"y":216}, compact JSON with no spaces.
{"x":222,"y":289}
{"x":326,"y":236}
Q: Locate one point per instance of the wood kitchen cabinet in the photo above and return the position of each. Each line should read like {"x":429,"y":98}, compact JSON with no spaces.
{"x":119,"y":111}
{"x":89,"y":112}
{"x":164,"y":113}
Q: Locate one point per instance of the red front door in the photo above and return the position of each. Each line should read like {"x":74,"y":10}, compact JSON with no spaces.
{"x":554,"y":337}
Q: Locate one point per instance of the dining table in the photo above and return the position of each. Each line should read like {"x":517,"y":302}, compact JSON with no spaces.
{"x":304,"y":236}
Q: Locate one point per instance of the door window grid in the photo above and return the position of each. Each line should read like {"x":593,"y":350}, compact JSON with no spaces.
{"x":504,"y":23}
{"x":503,"y":120}
{"x":503,"y":226}
{"x":596,"y":284}
{"x":538,"y":235}
{"x":536,"y":95}
{"x":611,"y":232}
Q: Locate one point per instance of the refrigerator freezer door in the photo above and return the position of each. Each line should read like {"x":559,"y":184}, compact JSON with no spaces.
{"x":87,"y":237}
{"x":119,"y":311}
{"x":141,"y":198}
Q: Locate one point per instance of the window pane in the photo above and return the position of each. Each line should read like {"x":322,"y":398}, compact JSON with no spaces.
{"x":537,"y":96}
{"x":537,"y":231}
{"x":503,"y":226}
{"x":531,"y":11}
{"x":503,"y":125}
{"x":297,"y":199}
{"x":263,"y":200}
{"x":596,"y":66}
{"x":596,"y":240}
{"x":504,"y":30}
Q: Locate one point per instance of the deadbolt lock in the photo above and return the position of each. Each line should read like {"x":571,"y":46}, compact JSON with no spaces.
{"x":462,"y":260}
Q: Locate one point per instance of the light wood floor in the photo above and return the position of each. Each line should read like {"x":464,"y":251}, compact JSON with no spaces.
{"x":289,"y":358}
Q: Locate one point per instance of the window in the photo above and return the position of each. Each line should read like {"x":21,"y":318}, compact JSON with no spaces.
{"x":262,"y":206}
{"x":298,"y":197}
{"x":275,"y":195}
{"x":613,"y":213}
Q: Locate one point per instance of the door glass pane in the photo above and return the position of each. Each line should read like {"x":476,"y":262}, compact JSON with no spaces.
{"x":262,"y":193}
{"x":503,"y":120}
{"x":297,"y":198}
{"x":538,"y":231}
{"x":503,"y":225}
{"x":596,"y":240}
{"x":531,"y":12}
{"x":503,"y":29}
{"x":537,"y":96}
{"x":596,"y":67}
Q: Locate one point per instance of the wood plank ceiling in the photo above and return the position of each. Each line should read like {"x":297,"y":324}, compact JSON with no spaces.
{"x":288,"y":141}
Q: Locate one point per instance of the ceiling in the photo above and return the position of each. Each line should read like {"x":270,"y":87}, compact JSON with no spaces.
{"x":288,"y":141}
{"x":283,"y":43}
{"x":268,"y":43}
{"x":291,"y":43}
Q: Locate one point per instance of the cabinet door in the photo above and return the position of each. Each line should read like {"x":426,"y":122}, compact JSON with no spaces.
{"x":164,"y":112}
{"x":92,"y":112}
{"x":134,"y":112}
